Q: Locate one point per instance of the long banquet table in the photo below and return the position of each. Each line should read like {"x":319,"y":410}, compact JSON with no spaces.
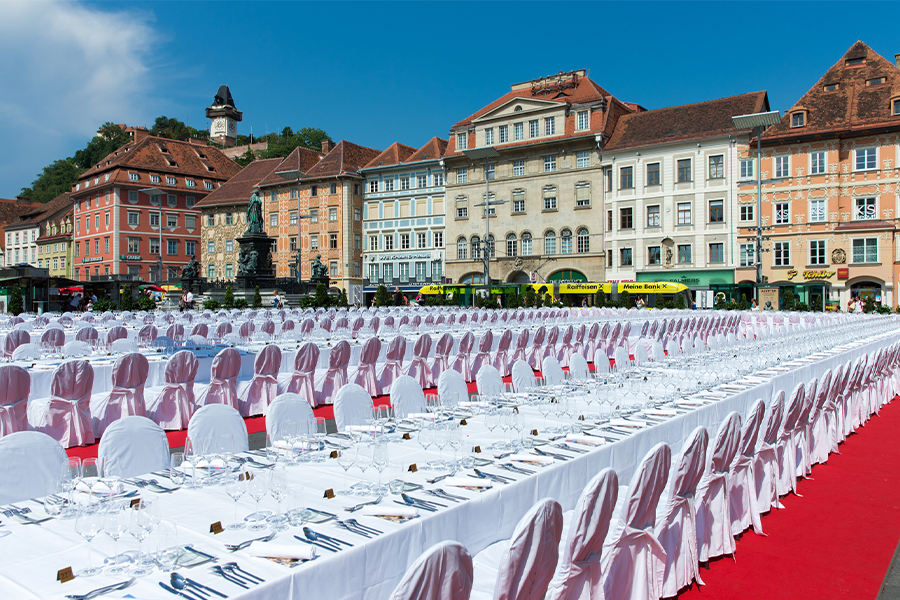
{"x":31,"y":556}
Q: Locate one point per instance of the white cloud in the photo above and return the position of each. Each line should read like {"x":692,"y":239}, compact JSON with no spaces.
{"x":65,"y":68}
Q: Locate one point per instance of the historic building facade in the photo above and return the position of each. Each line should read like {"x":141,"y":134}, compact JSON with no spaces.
{"x":547,"y":180}
{"x":21,"y":233}
{"x":55,"y":243}
{"x":403,"y":217}
{"x":223,"y":219}
{"x":831,"y":172}
{"x":670,"y":207}
{"x":313,"y":207}
{"x":136,"y":209}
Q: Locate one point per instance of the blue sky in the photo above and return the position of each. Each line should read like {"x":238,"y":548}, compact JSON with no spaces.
{"x":375,"y":72}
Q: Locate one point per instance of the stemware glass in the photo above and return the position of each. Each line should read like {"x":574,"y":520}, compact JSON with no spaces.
{"x":115,"y":525}
{"x":345,"y":459}
{"x":425,"y":435}
{"x":380,"y":456}
{"x":88,"y":524}
{"x":256,"y":489}
{"x":176,"y":468}
{"x":139,"y":532}
{"x":235,"y":488}
{"x":278,"y":489}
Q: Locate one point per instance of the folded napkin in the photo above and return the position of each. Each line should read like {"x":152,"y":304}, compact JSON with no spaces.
{"x":363,"y":428}
{"x":691,"y":402}
{"x":97,"y":487}
{"x":531,"y":458}
{"x":660,"y":412}
{"x":628,"y":423}
{"x":429,"y":416}
{"x":468,"y":482}
{"x":468,"y":404}
{"x":270,"y":550}
{"x":585,"y":440}
{"x":404,"y":512}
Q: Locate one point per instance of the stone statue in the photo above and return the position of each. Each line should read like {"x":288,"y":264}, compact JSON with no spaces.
{"x":668,"y":255}
{"x":191,"y":270}
{"x":319,"y":271}
{"x":244,"y":260}
{"x":254,"y":214}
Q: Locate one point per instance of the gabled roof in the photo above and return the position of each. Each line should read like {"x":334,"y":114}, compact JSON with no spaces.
{"x":11,"y":211}
{"x":346,"y":158}
{"x":395,"y":154}
{"x":300,"y":159}
{"x":433,"y":149}
{"x":854,"y":106}
{"x":158,"y":154}
{"x":41,"y":212}
{"x":685,"y":122}
{"x":238,"y":189}
{"x":571,"y":90}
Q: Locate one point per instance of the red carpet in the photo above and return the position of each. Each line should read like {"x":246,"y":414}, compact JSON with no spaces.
{"x":837,"y":541}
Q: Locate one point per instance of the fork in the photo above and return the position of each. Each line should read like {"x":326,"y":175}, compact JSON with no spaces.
{"x":361,"y":504}
{"x":100,"y":591}
{"x":242,"y":545}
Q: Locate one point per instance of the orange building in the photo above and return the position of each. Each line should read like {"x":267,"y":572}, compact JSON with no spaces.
{"x":313,"y":203}
{"x":831,"y":171}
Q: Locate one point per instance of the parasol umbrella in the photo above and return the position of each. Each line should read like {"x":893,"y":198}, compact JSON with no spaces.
{"x":71,"y":290}
{"x":152,"y":288}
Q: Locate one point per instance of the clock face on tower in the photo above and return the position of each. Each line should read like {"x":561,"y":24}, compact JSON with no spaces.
{"x":219,"y":126}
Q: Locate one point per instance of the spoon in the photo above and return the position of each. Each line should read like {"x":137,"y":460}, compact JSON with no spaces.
{"x":199,"y":586}
{"x":180,"y":584}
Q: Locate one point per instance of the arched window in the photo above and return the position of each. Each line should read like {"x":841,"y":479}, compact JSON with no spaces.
{"x":565,"y":241}
{"x":476,"y":247}
{"x":550,"y":242}
{"x":462,"y":248}
{"x":511,"y":246}
{"x":583,"y":240}
{"x":526,"y":244}
{"x":489,"y":245}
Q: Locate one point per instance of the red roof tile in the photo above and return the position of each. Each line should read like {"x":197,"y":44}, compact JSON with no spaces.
{"x":685,"y":122}
{"x":853,"y":106}
{"x":238,"y":189}
{"x":433,"y":148}
{"x":395,"y":154}
{"x":346,"y":158}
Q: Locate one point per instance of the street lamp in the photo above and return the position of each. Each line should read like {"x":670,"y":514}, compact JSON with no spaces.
{"x":159,"y":263}
{"x":758,"y":122}
{"x":487,"y":153}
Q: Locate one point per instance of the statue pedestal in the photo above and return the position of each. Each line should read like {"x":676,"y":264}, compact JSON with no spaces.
{"x":258,"y":270}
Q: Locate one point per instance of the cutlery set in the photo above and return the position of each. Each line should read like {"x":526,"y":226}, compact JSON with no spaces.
{"x":320,"y":540}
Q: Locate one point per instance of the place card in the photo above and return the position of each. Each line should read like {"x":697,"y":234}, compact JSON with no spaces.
{"x":135,"y":502}
{"x":412,"y":468}
{"x":329,"y":493}
{"x":463,"y":422}
{"x":64,"y":575}
{"x":534,"y":432}
{"x":406,"y":436}
{"x":246,"y":476}
{"x":216,"y":528}
{"x":334,"y":454}
{"x":477,"y":449}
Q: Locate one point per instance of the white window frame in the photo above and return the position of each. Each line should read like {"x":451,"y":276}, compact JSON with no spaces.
{"x":814,"y":260}
{"x":865,"y":209}
{"x":782,"y":213}
{"x":518,"y":168}
{"x":746,"y":212}
{"x":865,"y":247}
{"x":462,"y":140}
{"x":518,"y":131}
{"x":781,"y":254}
{"x":549,"y":164}
{"x":782,"y":166}
{"x":818,"y":163}
{"x":549,"y":126}
{"x":868,"y":155}
{"x":817,"y":210}
{"x":746,"y":169}
{"x":489,"y":136}
{"x":747,"y":255}
{"x":462,"y":175}
{"x":583,"y":120}
{"x":583,"y":159}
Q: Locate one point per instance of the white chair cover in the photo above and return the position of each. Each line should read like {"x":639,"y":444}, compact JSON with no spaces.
{"x":635,"y":562}
{"x":214,"y":421}
{"x":418,"y":368}
{"x":31,"y":464}
{"x":263,"y":388}
{"x":124,"y":345}
{"x":579,"y":572}
{"x":578,"y":367}
{"x":393,"y":363}
{"x":226,"y":367}
{"x":173,"y":408}
{"x":521,"y":567}
{"x":287,"y":407}
{"x":133,"y":446}
{"x":676,"y":527}
{"x":73,"y":349}
{"x":303,"y":379}
{"x":127,"y":396}
{"x":522,"y":376}
{"x":743,"y":497}
{"x":452,"y":388}
{"x":443,"y":572}
{"x":714,"y":537}
{"x":552,"y":372}
{"x":366,"y":375}
{"x":787,"y":450}
{"x":488,"y":381}
{"x":461,"y":363}
{"x":27,"y":352}
{"x":407,"y":397}
{"x":336,"y":375}
{"x":352,"y":406}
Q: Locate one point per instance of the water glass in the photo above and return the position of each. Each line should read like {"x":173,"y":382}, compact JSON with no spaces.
{"x":176,"y":468}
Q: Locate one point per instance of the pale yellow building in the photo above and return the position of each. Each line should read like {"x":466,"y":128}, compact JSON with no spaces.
{"x":54,"y":245}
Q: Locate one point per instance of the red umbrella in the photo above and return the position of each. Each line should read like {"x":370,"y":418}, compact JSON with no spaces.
{"x":71,"y":290}
{"x":152,"y":288}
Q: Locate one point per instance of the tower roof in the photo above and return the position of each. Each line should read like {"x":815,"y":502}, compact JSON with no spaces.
{"x":223,"y":97}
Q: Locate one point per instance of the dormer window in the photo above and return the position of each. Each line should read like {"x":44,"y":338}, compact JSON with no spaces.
{"x":798,"y":119}
{"x":461,"y":139}
{"x":875,"y":81}
{"x":171,"y":162}
{"x":170,"y":180}
{"x":895,"y":107}
{"x":855,"y":62}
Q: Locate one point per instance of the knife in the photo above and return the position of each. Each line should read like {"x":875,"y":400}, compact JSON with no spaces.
{"x":205,"y":587}
{"x":177,"y":593}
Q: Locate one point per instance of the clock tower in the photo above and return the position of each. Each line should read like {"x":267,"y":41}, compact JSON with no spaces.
{"x":224,"y":118}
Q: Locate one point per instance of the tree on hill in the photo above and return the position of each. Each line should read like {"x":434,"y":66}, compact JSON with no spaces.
{"x":56,"y":178}
{"x":110,"y":137}
{"x":174,"y":129}
{"x":282,"y":144}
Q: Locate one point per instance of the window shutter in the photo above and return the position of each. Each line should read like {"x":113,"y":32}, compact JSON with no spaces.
{"x":582,"y":192}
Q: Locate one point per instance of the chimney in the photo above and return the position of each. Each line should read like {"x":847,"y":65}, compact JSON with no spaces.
{"x":327,"y":146}
{"x":897,"y":59}
{"x":140,"y":133}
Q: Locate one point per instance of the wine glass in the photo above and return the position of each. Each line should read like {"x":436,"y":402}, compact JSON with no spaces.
{"x":176,"y":468}
{"x":88,"y":524}
{"x":70,"y":478}
{"x":115,"y":525}
{"x":256,"y":489}
{"x":425,"y":435}
{"x":235,"y":488}
{"x":139,"y":532}
{"x":380,"y":453}
{"x":345,"y":458}
{"x":278,"y":489}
